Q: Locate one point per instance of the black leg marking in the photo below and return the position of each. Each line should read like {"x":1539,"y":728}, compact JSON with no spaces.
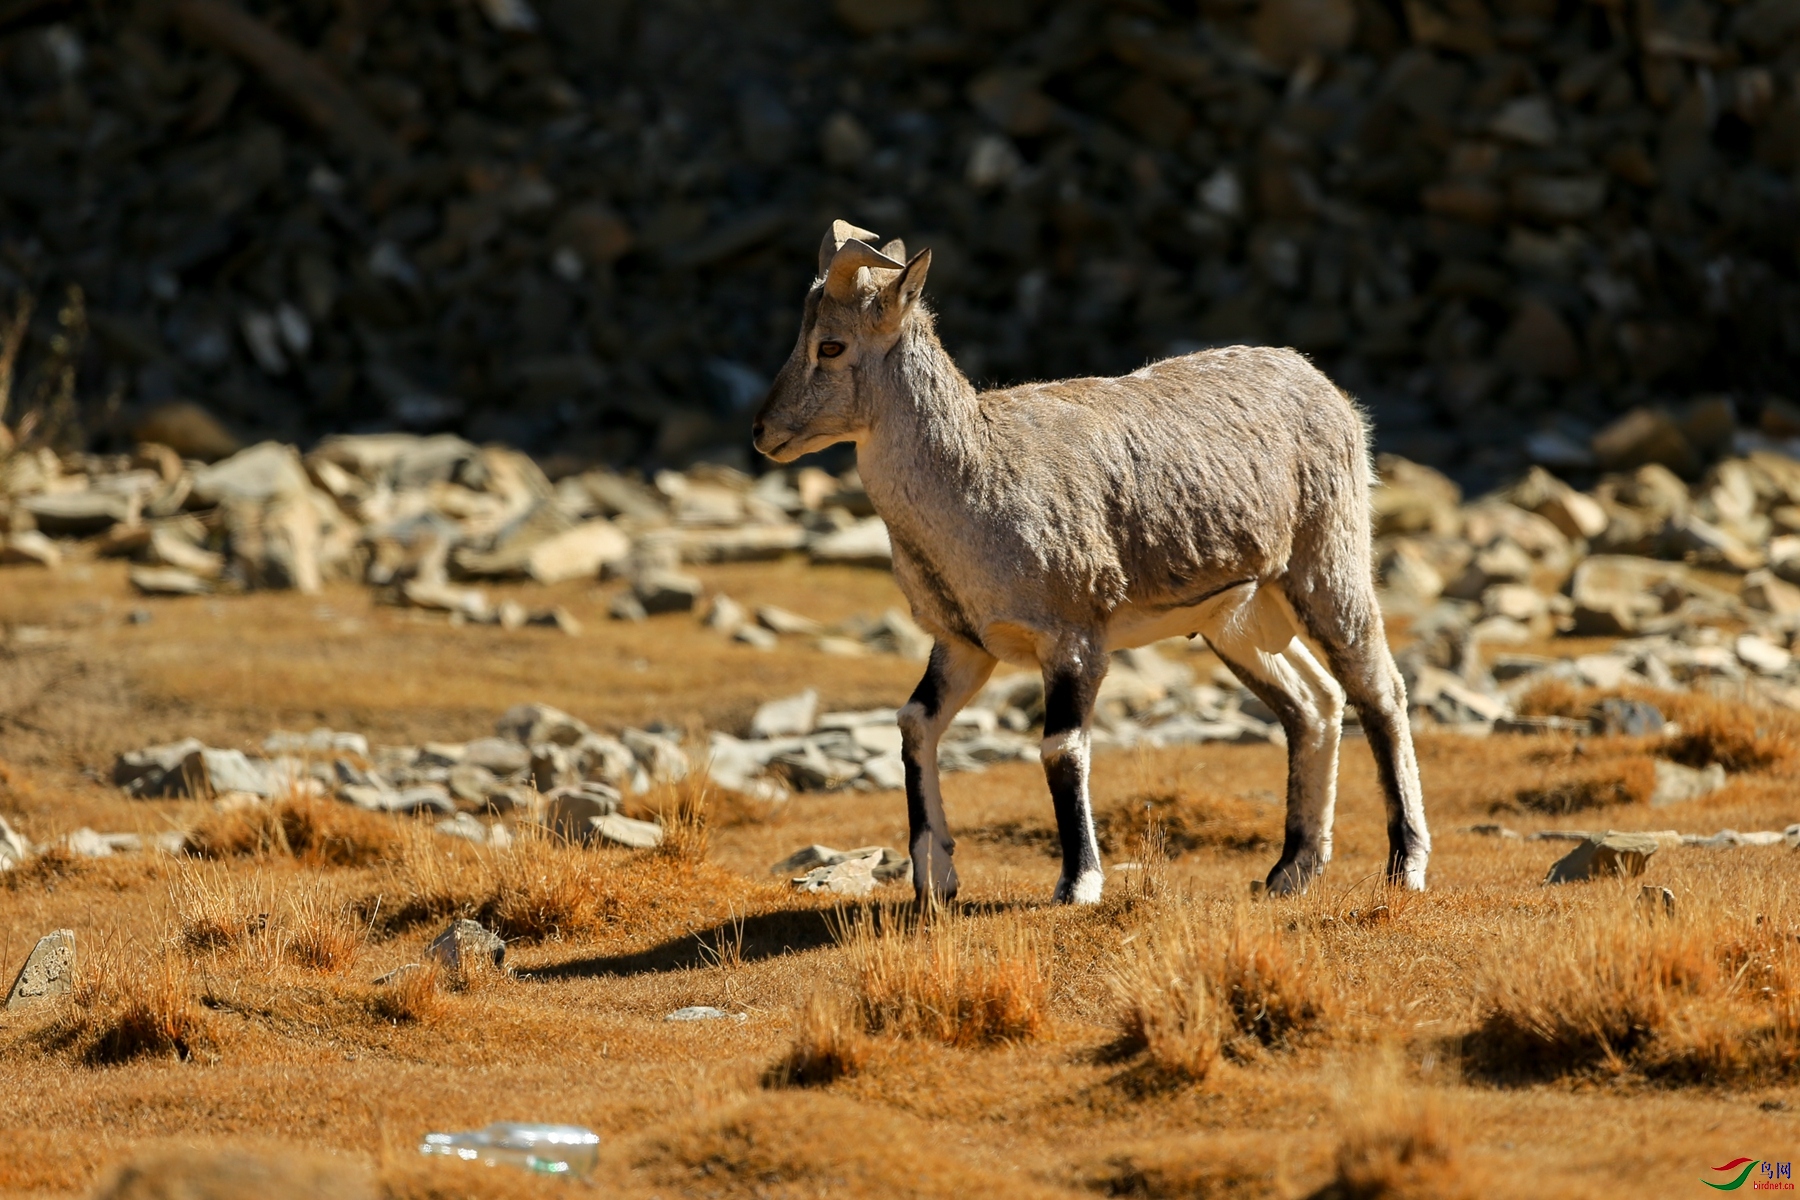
{"x":1063,"y":710}
{"x":1064,"y":775}
{"x":1381,"y":745}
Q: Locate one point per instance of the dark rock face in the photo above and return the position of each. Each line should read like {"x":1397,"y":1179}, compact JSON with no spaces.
{"x":585,"y":227}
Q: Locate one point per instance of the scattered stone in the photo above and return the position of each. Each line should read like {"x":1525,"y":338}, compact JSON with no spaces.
{"x":396,"y":975}
{"x":849,"y":876}
{"x":168,"y":581}
{"x":49,"y":971}
{"x":780,"y":620}
{"x":1604,"y":854}
{"x":571,"y":812}
{"x":864,"y":544}
{"x":626,"y":607}
{"x":704,"y":1012}
{"x":666,"y":592}
{"x":786,"y":717}
{"x":626,"y":832}
{"x":1676,"y":784}
{"x":466,"y":945}
{"x":28,"y":546}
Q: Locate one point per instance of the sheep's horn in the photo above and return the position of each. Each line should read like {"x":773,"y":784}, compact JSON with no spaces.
{"x":847,"y":263}
{"x":835,"y":237}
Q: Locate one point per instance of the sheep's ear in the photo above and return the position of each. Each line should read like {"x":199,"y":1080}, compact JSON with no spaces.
{"x":898,"y":297}
{"x":895,"y":250}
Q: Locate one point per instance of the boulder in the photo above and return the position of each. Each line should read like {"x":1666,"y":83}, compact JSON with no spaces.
{"x":155,"y":771}
{"x":49,"y":971}
{"x":1603,"y":855}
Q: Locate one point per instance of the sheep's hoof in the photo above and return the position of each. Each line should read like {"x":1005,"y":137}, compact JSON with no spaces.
{"x":1408,"y":870}
{"x":1291,"y":877}
{"x":1083,"y":889}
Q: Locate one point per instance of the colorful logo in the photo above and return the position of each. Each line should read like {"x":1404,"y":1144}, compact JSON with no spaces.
{"x":1774,"y":1176}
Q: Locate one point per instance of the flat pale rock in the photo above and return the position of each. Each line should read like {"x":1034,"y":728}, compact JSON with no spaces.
{"x":168,"y":581}
{"x":864,"y":544}
{"x":704,"y":1012}
{"x":28,"y":546}
{"x":791,"y":716}
{"x":624,"y":831}
{"x":851,"y":876}
{"x":1603,"y":855}
{"x":49,"y":971}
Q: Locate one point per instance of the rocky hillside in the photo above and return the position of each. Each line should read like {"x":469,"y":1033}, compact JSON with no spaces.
{"x":584,"y":226}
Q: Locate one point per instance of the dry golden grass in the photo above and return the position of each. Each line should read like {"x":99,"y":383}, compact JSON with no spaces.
{"x":323,"y":935}
{"x":829,"y":1045}
{"x":1190,"y":820}
{"x":315,"y":832}
{"x":1709,"y":998}
{"x":1737,"y":736}
{"x":1604,"y":785}
{"x":414,"y":996}
{"x":1193,"y":992}
{"x":938,"y":978}
{"x":291,"y":1059}
{"x":1399,"y":1144}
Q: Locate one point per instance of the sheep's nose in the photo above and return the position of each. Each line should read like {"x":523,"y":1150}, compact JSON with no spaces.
{"x":756,"y":431}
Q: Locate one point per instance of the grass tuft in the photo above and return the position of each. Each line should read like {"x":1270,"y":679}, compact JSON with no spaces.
{"x":216,"y":910}
{"x":1609,"y":785}
{"x":1737,"y":736}
{"x":130,"y":1008}
{"x":416,"y":996}
{"x":1396,"y":1146}
{"x":1700,"y":1001}
{"x":322,"y":936}
{"x":315,"y":832}
{"x":1188,"y":996}
{"x":936,"y":980}
{"x":828,"y":1045}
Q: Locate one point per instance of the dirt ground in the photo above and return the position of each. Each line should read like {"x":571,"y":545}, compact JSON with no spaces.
{"x":1490,"y":1037}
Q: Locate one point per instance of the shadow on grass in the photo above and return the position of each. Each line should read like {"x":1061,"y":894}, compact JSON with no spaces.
{"x":758,"y":937}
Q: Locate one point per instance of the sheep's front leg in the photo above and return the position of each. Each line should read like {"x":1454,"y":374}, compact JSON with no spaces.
{"x":956,"y":672}
{"x":1072,"y":678}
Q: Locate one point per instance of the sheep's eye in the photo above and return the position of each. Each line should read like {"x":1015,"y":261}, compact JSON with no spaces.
{"x":830,"y":349}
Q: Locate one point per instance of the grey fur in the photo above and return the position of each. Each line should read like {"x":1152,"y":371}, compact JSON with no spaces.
{"x":1223,"y":493}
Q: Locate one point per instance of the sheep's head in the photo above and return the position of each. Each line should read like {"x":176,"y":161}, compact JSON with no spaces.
{"x":854,"y":315}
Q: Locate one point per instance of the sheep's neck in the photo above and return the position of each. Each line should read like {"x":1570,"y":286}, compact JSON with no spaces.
{"x":926,"y":422}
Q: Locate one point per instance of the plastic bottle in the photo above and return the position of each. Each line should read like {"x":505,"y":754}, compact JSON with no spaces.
{"x":550,"y":1149}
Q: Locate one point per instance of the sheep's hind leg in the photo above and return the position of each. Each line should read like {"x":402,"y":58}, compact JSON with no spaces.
{"x":1261,"y":648}
{"x":955,"y":673}
{"x":1072,"y":678}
